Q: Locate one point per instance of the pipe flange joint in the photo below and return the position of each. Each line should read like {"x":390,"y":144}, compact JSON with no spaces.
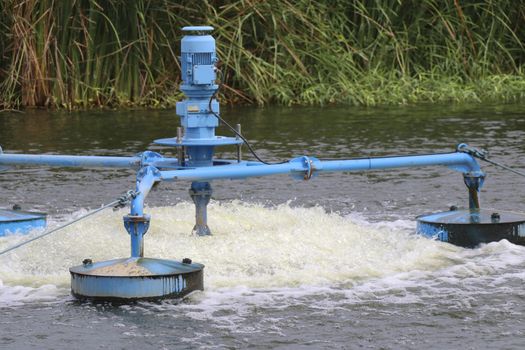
{"x":137,"y":224}
{"x":308,"y":163}
{"x":148,"y":158}
{"x":308,"y":166}
{"x":144,"y":171}
{"x":478,"y":153}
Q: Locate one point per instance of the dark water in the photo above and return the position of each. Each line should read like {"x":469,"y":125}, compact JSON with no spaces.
{"x":328,"y":263}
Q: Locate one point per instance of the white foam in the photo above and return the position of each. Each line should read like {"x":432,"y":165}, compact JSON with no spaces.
{"x":279,"y":249}
{"x":18,"y":295}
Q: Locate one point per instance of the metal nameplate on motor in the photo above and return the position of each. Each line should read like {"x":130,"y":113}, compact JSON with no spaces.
{"x":193,"y":108}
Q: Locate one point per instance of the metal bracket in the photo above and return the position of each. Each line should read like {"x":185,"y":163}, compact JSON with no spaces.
{"x":125,"y":199}
{"x":474,"y":182}
{"x":478,"y":153}
{"x":309,"y":164}
{"x":309,"y":168}
{"x":136,"y":225}
{"x":143,"y":171}
{"x":148,"y":158}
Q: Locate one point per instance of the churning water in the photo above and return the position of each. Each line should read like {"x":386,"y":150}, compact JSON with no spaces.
{"x":331,"y":263}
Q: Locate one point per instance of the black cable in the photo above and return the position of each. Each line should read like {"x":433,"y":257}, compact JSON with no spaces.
{"x":236,"y":132}
{"x":503,"y":166}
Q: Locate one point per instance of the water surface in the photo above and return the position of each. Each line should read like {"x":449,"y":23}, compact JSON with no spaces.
{"x":328,"y":263}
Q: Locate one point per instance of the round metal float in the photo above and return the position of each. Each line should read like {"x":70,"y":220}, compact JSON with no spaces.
{"x":18,"y":221}
{"x":135,"y":279}
{"x":469,"y":228}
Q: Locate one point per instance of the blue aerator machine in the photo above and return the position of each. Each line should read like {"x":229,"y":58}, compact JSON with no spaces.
{"x":139,"y":277}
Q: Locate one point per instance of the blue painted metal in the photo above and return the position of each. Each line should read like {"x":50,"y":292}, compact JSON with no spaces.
{"x":469,"y":228}
{"x":432,"y":231}
{"x":137,"y":226}
{"x":197,"y":29}
{"x":70,"y":161}
{"x":137,"y":162}
{"x":307,"y":166}
{"x":135,"y":279}
{"x":217,"y":141}
{"x":197,"y":113}
{"x":137,"y":223}
{"x":20,"y":222}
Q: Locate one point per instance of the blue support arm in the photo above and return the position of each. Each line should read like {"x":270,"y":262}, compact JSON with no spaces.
{"x":135,"y":162}
{"x":70,"y":161}
{"x":146,"y":178}
{"x":458,"y":161}
{"x":137,"y":223}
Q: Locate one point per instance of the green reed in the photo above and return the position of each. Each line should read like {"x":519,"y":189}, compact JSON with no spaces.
{"x":114,"y":53}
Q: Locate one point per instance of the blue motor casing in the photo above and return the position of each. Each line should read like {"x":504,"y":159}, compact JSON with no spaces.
{"x":198,"y":59}
{"x":198,"y":112}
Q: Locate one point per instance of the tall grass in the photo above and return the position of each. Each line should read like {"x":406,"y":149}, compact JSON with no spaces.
{"x":83,"y":53}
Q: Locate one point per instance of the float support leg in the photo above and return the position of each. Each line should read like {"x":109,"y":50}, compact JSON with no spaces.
{"x":200,"y":193}
{"x":137,"y":226}
{"x":137,"y":223}
{"x":474,"y":182}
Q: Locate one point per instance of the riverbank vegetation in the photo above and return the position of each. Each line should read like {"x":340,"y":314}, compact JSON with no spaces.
{"x":117,"y":53}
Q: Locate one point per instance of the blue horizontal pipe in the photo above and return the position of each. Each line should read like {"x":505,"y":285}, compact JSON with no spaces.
{"x":85,"y":161}
{"x":70,"y":161}
{"x":457,"y":161}
{"x":229,"y":172}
